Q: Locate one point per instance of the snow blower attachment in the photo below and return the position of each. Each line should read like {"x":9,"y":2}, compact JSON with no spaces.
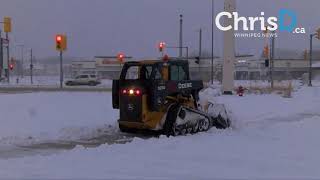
{"x":159,"y":96}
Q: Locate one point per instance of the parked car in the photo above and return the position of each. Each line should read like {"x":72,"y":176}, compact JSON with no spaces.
{"x":84,"y":79}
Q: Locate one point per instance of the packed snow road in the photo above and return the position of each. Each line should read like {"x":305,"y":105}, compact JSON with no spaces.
{"x":272,"y":137}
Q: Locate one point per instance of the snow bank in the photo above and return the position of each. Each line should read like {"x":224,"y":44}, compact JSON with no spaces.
{"x":43,"y":116}
{"x":265,"y":109}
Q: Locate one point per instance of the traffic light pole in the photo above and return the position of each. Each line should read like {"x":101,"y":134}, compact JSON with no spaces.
{"x":61,"y":71}
{"x":8,"y":57}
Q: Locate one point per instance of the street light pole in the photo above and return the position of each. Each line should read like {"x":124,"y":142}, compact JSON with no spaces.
{"x":180,"y":36}
{"x":310,"y":60}
{"x":31,"y":66}
{"x":212,"y":41}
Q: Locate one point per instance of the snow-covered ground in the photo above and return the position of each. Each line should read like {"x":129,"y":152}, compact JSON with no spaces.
{"x":49,"y":116}
{"x":272,"y":137}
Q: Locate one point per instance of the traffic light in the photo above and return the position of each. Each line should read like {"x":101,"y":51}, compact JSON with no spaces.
{"x":197,"y":60}
{"x":318,"y":33}
{"x":7,"y":24}
{"x":61,"y":42}
{"x":266,"y":63}
{"x":120,"y":57}
{"x":161,"y":46}
{"x":11,"y":66}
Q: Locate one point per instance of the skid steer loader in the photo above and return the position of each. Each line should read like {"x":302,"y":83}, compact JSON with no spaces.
{"x":159,"y":96}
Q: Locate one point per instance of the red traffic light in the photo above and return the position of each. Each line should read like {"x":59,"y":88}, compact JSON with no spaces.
{"x":120,"y":57}
{"x":58,"y":38}
{"x":11,"y":66}
{"x":161,"y":46}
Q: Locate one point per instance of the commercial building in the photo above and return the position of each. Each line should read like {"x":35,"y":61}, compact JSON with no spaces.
{"x":287,"y":65}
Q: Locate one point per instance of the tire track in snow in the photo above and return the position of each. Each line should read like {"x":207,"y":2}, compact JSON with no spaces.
{"x":47,"y":147}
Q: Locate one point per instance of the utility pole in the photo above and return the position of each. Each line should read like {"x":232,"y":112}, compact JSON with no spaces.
{"x":212,"y":41}
{"x":181,"y":36}
{"x":200,"y":48}
{"x":31,"y":66}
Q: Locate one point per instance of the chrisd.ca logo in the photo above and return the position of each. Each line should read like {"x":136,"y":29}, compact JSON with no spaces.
{"x":250,"y":23}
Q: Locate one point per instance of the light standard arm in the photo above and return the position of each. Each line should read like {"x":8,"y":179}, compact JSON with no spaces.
{"x":185,"y":47}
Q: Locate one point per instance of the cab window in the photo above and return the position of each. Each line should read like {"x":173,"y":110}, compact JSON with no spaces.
{"x":177,"y":73}
{"x":157,"y":75}
{"x":132,"y":73}
{"x":145,"y":72}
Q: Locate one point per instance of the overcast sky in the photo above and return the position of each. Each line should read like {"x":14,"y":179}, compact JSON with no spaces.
{"x":105,"y":27}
